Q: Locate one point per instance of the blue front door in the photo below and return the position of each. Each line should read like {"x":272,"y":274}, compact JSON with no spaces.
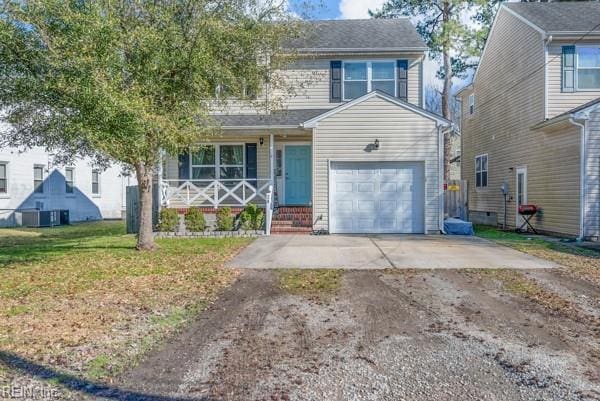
{"x":298,"y":177}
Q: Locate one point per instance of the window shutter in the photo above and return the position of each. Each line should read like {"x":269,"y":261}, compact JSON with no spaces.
{"x":335,"y":82}
{"x":402,"y":79}
{"x":251,"y":163}
{"x":184,"y":165}
{"x":568,"y":68}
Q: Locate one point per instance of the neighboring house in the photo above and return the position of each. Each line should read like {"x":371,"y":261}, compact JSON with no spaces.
{"x":531,"y":119}
{"x":29,"y":181}
{"x":351,"y":151}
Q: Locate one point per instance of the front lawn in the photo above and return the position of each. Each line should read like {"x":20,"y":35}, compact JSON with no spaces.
{"x":575,"y":260}
{"x":80,"y":299}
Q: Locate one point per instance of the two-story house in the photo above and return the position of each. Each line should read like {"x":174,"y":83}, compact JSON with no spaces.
{"x":531,"y":119}
{"x":350,"y":150}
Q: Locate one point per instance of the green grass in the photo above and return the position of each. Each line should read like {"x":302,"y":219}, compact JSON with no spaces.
{"x":310,"y":282}
{"x":81,"y":295}
{"x":525,"y":242}
{"x":573,"y":260}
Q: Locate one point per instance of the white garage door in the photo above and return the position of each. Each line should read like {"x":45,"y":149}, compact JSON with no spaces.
{"x":377,"y":197}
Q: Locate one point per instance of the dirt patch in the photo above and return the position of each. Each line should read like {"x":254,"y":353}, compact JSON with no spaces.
{"x":381,"y":336}
{"x":310,"y":282}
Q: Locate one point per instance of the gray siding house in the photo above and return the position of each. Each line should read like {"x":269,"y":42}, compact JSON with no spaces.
{"x":531,"y":119}
{"x":351,"y":150}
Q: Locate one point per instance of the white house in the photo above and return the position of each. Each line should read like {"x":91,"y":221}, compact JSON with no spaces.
{"x":29,"y":180}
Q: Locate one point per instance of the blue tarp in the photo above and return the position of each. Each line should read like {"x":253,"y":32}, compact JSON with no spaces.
{"x":454,"y":226}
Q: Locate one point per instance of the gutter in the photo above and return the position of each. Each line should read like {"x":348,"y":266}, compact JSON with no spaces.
{"x":582,"y":178}
{"x":441,"y":177}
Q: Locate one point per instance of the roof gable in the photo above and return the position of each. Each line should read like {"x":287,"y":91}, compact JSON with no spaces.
{"x":312,"y":123}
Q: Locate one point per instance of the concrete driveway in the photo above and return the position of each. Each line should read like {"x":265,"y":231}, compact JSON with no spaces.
{"x":382,"y":252}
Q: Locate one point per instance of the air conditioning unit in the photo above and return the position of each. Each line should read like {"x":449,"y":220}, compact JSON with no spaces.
{"x":40,"y":218}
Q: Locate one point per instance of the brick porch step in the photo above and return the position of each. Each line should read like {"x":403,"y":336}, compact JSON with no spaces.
{"x":290,"y":230}
{"x":295,"y":209}
{"x":292,"y":223}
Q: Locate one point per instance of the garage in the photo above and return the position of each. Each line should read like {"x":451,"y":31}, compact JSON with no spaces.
{"x":377,"y":197}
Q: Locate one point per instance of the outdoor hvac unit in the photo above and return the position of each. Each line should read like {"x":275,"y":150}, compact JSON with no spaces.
{"x":41,"y":218}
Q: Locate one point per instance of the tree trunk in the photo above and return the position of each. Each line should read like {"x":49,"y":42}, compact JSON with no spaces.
{"x":446,"y":113}
{"x":145,"y":238}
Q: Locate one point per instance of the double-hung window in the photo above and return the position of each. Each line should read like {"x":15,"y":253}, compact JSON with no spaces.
{"x":3,"y":178}
{"x":38,"y":179}
{"x":588,"y":67}
{"x":96,"y":182}
{"x":471,"y":103}
{"x":362,"y":77}
{"x":69,"y":180}
{"x":481,"y":171}
{"x":225,"y":162}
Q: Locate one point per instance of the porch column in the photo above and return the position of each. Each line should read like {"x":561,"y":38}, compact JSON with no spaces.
{"x":159,"y":181}
{"x":272,"y":158}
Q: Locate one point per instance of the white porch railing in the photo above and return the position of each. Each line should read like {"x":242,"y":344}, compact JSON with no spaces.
{"x":215,"y":193}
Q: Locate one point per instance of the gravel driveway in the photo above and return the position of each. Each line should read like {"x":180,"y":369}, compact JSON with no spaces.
{"x":384,"y":335}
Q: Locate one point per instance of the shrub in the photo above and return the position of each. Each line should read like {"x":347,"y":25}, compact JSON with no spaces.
{"x":194,"y":220}
{"x":252,"y":218}
{"x":168,"y":220}
{"x":224,"y":219}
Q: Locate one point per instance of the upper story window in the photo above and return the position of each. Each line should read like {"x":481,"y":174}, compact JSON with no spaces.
{"x":471,"y":103}
{"x":69,"y":180}
{"x":3,"y":177}
{"x":588,"y":68}
{"x":38,"y":179}
{"x":481,"y":171}
{"x":362,"y":77}
{"x":96,"y":182}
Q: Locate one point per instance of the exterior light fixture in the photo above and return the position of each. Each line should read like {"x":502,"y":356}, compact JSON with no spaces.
{"x":376,"y":143}
{"x":261,"y":141}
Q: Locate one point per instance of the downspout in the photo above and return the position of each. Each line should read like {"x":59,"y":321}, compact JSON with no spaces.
{"x":441,"y":178}
{"x":582,"y":178}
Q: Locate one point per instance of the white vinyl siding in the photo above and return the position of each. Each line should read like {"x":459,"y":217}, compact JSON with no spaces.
{"x":403,"y":136}
{"x":559,"y":101}
{"x":592,"y":210}
{"x":306,"y":84}
{"x":514,"y":59}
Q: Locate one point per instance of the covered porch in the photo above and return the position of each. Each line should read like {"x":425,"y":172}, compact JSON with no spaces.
{"x":267,"y":167}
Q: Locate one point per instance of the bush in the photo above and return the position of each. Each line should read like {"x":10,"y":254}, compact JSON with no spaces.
{"x":168,"y":220}
{"x":224,"y":219}
{"x":194,"y":220}
{"x":252,"y":218}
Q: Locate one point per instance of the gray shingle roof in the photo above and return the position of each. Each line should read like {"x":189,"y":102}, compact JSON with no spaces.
{"x":358,"y":35}
{"x":288,"y":118}
{"x":567,"y":114}
{"x":570,"y":16}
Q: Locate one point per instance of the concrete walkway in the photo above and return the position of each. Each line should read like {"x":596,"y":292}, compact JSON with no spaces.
{"x":382,"y":252}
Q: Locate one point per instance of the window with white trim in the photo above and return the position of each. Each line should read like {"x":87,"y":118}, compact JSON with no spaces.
{"x":96,"y":182}
{"x":69,"y":180}
{"x":588,"y":68}
{"x":362,"y":77}
{"x":3,"y":178}
{"x":481,"y":171}
{"x":223,"y":161}
{"x":471,"y":103}
{"x":38,"y":179}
